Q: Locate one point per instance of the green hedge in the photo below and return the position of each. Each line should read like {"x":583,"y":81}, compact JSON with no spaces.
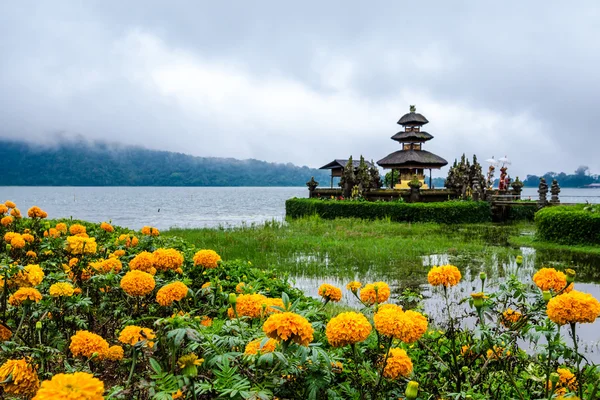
{"x":521,"y":213}
{"x":568,"y":225}
{"x":448,"y":212}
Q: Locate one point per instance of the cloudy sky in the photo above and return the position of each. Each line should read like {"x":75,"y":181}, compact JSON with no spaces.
{"x":306,"y":82}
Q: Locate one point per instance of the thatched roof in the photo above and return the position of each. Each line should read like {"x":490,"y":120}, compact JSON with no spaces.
{"x":338,"y":163}
{"x":413,"y":118}
{"x":412,"y":159}
{"x":412,"y":137}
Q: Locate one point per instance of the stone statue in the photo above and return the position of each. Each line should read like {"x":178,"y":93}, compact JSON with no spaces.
{"x":543,"y":192}
{"x":462,"y":177}
{"x":554,"y":190}
{"x":502,"y":186}
{"x":415,"y":189}
{"x":312,"y":185}
{"x":517,"y":187}
{"x":490,"y":177}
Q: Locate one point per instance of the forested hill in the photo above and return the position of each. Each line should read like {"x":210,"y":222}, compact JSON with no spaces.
{"x":80,"y":163}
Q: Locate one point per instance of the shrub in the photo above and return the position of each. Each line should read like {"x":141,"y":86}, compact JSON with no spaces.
{"x":521,"y":213}
{"x":448,"y":212}
{"x":568,"y":225}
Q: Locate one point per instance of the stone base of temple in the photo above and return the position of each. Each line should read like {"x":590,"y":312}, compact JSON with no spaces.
{"x":404,"y":185}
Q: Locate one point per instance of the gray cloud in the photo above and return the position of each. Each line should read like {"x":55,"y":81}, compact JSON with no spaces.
{"x":307,"y":82}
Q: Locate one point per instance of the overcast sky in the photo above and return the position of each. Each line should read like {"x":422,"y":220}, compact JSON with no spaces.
{"x":307,"y":82}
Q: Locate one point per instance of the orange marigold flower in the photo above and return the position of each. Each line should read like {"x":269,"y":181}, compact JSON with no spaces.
{"x":19,"y":378}
{"x":377,"y":292}
{"x":108,"y":265}
{"x":497,"y":352}
{"x":398,"y":364}
{"x":128,"y":239}
{"x":172,"y":292}
{"x":144,"y":261}
{"x":5,"y":333}
{"x":289,"y":326}
{"x":330,"y":293}
{"x":114,"y":353}
{"x":118,"y":253}
{"x":28,"y":237}
{"x":510,"y":316}
{"x":61,"y":289}
{"x":24,"y":294}
{"x":81,"y":245}
{"x":6,"y":221}
{"x":551,"y":279}
{"x":15,"y":212}
{"x":347,"y":328}
{"x":207,"y":258}
{"x":137,"y":283}
{"x":573,"y":307}
{"x":8,"y":236}
{"x":354,"y":286}
{"x":566,"y":379}
{"x":10,"y":204}
{"x":31,"y":275}
{"x":85,"y":344}
{"x":31,"y":254}
{"x":3,"y":209}
{"x":261,"y":346}
{"x":75,"y":386}
{"x":165,"y":259}
{"x":269,"y":305}
{"x":206,"y":321}
{"x":239,"y":288}
{"x":177,"y":395}
{"x":134,"y":334}
{"x":447,"y":275}
{"x":150,"y":231}
{"x":17,"y":241}
{"x":62,"y":227}
{"x":391,"y":320}
{"x":77,"y":229}
{"x":36,"y":212}
{"x":248,"y":305}
{"x":105,"y":226}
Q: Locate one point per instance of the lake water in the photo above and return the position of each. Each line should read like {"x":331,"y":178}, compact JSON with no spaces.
{"x":185,"y":207}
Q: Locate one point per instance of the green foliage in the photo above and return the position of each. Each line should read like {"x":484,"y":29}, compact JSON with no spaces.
{"x":521,"y":213}
{"x":99,"y":164}
{"x":449,"y":212}
{"x":568,"y":225}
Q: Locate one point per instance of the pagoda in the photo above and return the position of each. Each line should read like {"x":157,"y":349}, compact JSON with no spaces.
{"x":411,"y":160}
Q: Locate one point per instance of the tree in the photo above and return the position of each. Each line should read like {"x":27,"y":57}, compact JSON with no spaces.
{"x":348,"y":179}
{"x":363,"y":177}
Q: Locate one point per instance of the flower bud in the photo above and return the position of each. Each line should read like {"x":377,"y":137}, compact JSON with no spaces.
{"x":483,"y":276}
{"x":412,"y":388}
{"x":232,"y":299}
{"x":546,"y":295}
{"x":8,"y":247}
{"x":38,"y":325}
{"x":519,"y":260}
{"x":478,"y":299}
{"x":554,"y":377}
{"x":465,"y":369}
{"x":570,"y":275}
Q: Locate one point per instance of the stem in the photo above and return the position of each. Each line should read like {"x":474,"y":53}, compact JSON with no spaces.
{"x":548,"y":367}
{"x":133,"y":360}
{"x":357,"y":374}
{"x":16,"y":334}
{"x":387,"y":355}
{"x":453,"y":340}
{"x":578,"y":373}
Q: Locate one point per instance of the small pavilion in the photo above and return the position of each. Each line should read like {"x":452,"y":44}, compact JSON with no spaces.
{"x":411,"y":160}
{"x":337,"y":167}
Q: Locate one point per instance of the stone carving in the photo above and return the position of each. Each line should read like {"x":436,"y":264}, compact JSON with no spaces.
{"x":463,"y":176}
{"x":517,"y":187}
{"x":543,"y":192}
{"x":415,"y":189}
{"x":312,"y":185}
{"x":554,"y":190}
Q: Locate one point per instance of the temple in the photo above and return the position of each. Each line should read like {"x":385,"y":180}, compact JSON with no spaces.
{"x":337,"y":167}
{"x":411,"y":160}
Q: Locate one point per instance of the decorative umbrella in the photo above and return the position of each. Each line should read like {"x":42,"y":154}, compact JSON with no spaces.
{"x":492,"y":161}
{"x":504,"y":160}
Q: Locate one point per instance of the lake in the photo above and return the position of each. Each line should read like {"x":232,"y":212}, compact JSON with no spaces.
{"x":185,"y":207}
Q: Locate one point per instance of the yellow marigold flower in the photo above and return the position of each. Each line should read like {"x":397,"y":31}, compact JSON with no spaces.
{"x":207,"y":258}
{"x":206,"y":321}
{"x":497,"y":352}
{"x":205,"y":285}
{"x":62,"y":227}
{"x":24,"y":294}
{"x":118,"y":253}
{"x":177,"y":395}
{"x":6,"y":221}
{"x":248,"y":305}
{"x":8,"y":236}
{"x":239,"y":288}
{"x":377,"y":292}
{"x":23,"y":378}
{"x":551,"y":279}
{"x":172,"y":292}
{"x":391,"y":320}
{"x":573,"y":307}
{"x":269,"y":305}
{"x":466,"y":351}
{"x":73,"y":261}
{"x":337,"y":367}
{"x":330,"y":292}
{"x":566,"y":379}
{"x":36,"y":212}
{"x":128,"y":239}
{"x":447,"y":275}
{"x":105,"y":226}
{"x":77,"y":290}
{"x":347,"y":328}
{"x":31,"y":254}
{"x":114,"y":353}
{"x":77,"y":229}
{"x":289,"y":326}
{"x":75,"y":386}
{"x":398,"y":364}
{"x":150,"y":231}
{"x":31,"y":275}
{"x":62,"y":289}
{"x":28,"y":238}
{"x":165,"y":259}
{"x":15,"y":212}
{"x":354,"y":286}
{"x":189,"y":360}
{"x":254,"y":347}
{"x":17,"y":242}
{"x":81,"y":245}
{"x":144,"y":261}
{"x":134,"y":334}
{"x":3,"y":209}
{"x":108,"y":265}
{"x":5,"y":333}
{"x":510,"y":316}
{"x":137,"y":283}
{"x":85,"y":344}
